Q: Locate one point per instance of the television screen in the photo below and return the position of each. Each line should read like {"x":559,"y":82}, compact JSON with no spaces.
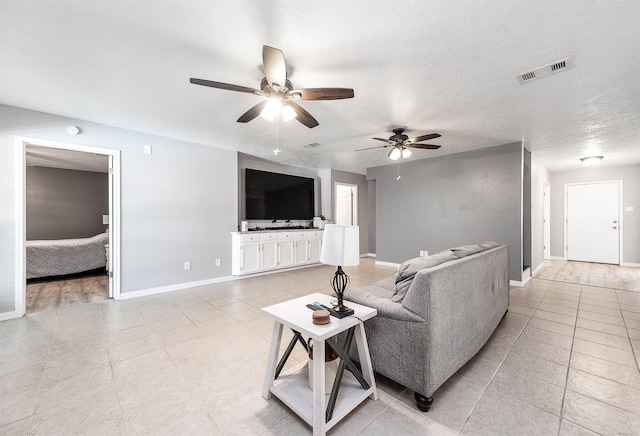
{"x":276,"y":196}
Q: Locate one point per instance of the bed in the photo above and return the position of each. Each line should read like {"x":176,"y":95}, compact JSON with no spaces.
{"x":66,"y":256}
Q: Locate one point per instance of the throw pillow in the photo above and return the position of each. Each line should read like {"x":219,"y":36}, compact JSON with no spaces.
{"x":407,"y":271}
{"x":489,"y":245}
{"x":467,"y":250}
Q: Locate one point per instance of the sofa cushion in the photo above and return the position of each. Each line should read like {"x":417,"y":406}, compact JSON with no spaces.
{"x":467,"y":250}
{"x":408,"y":269}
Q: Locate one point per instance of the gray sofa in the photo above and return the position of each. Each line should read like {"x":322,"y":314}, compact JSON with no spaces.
{"x":435,"y":314}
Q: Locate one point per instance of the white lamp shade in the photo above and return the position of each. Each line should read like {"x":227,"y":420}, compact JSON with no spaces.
{"x":340,"y":245}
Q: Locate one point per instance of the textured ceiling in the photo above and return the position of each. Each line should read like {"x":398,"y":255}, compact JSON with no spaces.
{"x":431,"y":66}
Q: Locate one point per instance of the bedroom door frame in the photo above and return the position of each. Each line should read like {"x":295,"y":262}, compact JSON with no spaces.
{"x":21,"y":212}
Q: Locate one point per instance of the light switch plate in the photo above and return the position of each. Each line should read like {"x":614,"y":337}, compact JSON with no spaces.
{"x":628,"y":208}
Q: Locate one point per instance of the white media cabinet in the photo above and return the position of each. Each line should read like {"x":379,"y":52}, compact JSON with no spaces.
{"x":267,"y":250}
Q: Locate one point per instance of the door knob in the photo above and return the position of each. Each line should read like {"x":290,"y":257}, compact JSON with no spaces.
{"x":615,"y":222}
{"x":615,"y":227}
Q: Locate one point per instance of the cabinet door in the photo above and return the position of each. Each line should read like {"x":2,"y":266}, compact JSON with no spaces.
{"x":315,"y":246}
{"x":269,"y":254}
{"x":250,"y":257}
{"x":287,"y":253}
{"x":302,"y":251}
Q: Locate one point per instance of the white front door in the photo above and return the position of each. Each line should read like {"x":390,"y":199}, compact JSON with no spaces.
{"x":593,"y":222}
{"x":547,"y":220}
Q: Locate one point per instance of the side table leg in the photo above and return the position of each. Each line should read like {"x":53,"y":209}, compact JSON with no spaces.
{"x":276,"y":337}
{"x":319,"y":401}
{"x":365,"y":359}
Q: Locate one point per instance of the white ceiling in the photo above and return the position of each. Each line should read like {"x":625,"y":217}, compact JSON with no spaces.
{"x":432,"y":66}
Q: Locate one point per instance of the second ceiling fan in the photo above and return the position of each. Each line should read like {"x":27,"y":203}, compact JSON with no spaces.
{"x":400,"y":143}
{"x":280,"y":93}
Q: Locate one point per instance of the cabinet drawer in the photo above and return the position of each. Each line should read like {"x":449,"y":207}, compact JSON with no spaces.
{"x":268,"y":236}
{"x":250,"y":237}
{"x":286,"y":235}
{"x":302,"y":235}
{"x":315,"y":234}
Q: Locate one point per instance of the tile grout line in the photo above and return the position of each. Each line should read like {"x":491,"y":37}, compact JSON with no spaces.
{"x":499,"y":365}
{"x":566,"y":379}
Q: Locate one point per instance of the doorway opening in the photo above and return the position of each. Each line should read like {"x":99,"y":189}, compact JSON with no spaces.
{"x":346,"y":204}
{"x":85,"y":258}
{"x":593,"y":226}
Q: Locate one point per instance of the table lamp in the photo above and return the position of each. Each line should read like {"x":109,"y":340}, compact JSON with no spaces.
{"x":340,"y":247}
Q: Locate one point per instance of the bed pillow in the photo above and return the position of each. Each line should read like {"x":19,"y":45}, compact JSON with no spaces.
{"x":408,"y":270}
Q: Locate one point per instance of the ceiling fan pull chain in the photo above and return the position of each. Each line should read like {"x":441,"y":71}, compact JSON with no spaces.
{"x":398,"y":178}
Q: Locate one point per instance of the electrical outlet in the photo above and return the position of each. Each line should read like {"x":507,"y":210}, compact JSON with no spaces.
{"x":187,"y":265}
{"x":424,"y":253}
{"x":217,"y":262}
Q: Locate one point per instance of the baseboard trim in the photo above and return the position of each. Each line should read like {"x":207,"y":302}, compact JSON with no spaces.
{"x":516,"y":283}
{"x":557,"y":258}
{"x":382,"y":263}
{"x":6,"y":316}
{"x":538,"y":268}
{"x":632,"y":265}
{"x":176,"y":287}
{"x":371,"y":255}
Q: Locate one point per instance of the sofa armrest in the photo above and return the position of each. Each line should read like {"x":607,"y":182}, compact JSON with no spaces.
{"x":385,"y":307}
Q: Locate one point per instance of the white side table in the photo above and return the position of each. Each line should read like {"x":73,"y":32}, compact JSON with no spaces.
{"x":351,"y":388}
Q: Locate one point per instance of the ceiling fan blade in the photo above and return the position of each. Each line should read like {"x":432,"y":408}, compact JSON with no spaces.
{"x":302,"y":115}
{"x":325,"y":93}
{"x":371,"y":148}
{"x":380,"y":139}
{"x":424,"y":137}
{"x":275,"y":68}
{"x":424,"y":146}
{"x":227,"y":86}
{"x":253,"y":112}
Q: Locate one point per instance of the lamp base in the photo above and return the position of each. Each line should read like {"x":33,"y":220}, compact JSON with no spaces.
{"x":341,"y":313}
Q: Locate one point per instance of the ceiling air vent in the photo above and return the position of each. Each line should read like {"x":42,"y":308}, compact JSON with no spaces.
{"x":546,"y":70}
{"x":312,"y":145}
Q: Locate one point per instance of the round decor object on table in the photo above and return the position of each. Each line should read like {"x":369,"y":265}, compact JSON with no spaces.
{"x":321,"y":317}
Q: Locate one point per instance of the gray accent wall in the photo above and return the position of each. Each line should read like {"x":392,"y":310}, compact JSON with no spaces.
{"x":178,"y":204}
{"x":452,"y":200}
{"x":64,"y":204}
{"x":630,"y":176}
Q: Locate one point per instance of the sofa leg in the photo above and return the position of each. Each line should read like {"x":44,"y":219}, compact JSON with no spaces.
{"x":423,"y":403}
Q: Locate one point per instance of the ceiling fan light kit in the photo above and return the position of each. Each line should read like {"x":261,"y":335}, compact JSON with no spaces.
{"x":400,"y":144}
{"x":279,"y":91}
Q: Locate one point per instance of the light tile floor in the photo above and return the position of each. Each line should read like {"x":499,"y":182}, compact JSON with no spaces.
{"x":563,"y":361}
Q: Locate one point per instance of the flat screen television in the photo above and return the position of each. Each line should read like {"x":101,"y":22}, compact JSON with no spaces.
{"x":274,"y":196}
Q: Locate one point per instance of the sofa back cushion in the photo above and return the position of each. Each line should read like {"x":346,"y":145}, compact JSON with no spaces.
{"x":408,"y":270}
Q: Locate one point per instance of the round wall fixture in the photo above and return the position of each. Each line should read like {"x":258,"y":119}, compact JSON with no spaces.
{"x":73,"y":130}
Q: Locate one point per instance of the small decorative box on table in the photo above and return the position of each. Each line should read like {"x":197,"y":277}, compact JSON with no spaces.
{"x":350,"y":388}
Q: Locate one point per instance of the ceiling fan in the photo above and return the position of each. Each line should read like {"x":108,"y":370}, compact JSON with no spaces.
{"x":280,"y":93}
{"x":400,"y":143}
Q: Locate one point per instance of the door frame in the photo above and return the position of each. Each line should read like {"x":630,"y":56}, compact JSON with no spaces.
{"x":21,"y":143}
{"x":354,"y":201}
{"x":546,"y":217}
{"x":620,"y":215}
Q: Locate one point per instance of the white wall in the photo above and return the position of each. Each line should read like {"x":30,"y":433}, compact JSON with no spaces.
{"x":539,"y":174}
{"x":178,"y":204}
{"x":630,"y":176}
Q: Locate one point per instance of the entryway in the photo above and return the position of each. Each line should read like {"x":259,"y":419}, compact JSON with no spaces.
{"x":593,"y":225}
{"x":87,"y":292}
{"x":346,"y":204}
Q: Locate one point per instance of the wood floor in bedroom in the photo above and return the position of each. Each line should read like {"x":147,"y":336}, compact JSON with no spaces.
{"x":55,"y":293}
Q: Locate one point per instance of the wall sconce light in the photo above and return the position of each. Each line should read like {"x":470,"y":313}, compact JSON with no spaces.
{"x":591,"y":160}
